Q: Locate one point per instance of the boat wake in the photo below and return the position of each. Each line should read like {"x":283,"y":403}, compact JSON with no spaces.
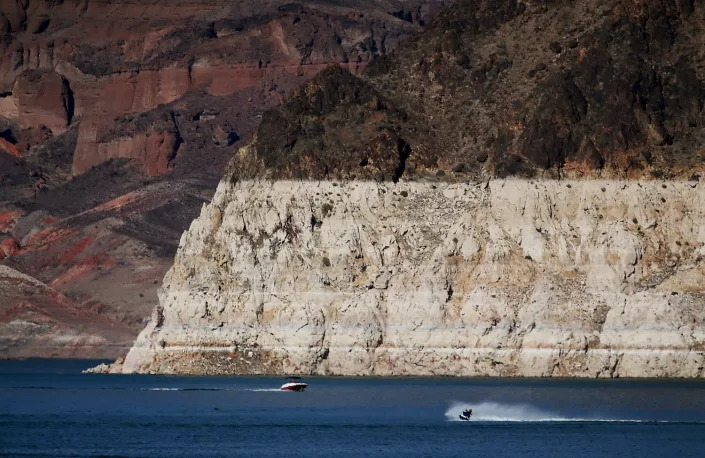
{"x":279,"y":390}
{"x":183,"y":389}
{"x":211,"y":389}
{"x":494,"y":411}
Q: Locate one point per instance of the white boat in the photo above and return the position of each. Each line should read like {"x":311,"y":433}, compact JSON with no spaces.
{"x":294,"y":384}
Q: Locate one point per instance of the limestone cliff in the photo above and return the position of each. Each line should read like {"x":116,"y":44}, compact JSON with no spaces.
{"x":507,"y":277}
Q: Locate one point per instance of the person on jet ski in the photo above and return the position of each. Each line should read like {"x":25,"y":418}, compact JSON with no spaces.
{"x":467,"y":412}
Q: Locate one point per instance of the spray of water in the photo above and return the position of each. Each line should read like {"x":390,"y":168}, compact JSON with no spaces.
{"x":494,"y":411}
{"x":278,"y":390}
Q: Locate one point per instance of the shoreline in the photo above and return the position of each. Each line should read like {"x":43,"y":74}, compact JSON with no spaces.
{"x":449,"y":378}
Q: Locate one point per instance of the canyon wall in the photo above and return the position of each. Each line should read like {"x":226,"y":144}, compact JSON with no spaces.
{"x":69,"y":63}
{"x":515,"y":277}
{"x":117,"y":119}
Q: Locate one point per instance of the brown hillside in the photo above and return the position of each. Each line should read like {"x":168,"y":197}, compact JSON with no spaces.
{"x":498,"y":88}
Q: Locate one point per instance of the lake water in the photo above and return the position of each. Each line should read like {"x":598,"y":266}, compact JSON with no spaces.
{"x":47,"y":408}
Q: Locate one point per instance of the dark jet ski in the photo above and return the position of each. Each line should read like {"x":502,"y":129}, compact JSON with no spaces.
{"x":465,"y":416}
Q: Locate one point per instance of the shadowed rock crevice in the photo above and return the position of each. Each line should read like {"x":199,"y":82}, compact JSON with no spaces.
{"x":68,"y":100}
{"x":404,"y":152}
{"x":8,"y":136}
{"x":178,"y":139}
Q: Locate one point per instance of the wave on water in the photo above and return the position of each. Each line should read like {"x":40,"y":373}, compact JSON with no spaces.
{"x":279,"y":390}
{"x":212,"y":389}
{"x":161,"y":389}
{"x":157,"y":388}
{"x":495,"y":411}
{"x":183,"y":389}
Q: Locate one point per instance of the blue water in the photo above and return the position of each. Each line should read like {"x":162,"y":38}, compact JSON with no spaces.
{"x":47,"y":408}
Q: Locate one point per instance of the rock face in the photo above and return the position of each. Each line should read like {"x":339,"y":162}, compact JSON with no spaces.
{"x":66,"y":62}
{"x":507,"y":88}
{"x":42,"y":322}
{"x":117,"y":119}
{"x":511,"y":277}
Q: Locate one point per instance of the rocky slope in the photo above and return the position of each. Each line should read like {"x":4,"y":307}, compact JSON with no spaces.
{"x":41,"y":321}
{"x":510,"y":277}
{"x":504,"y":88}
{"x":117,"y":119}
{"x":515,"y":191}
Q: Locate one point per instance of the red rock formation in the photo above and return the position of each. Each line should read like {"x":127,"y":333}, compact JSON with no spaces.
{"x":7,"y":220}
{"x":41,"y":99}
{"x":9,"y":148}
{"x":56,"y":68}
{"x":86,"y":258}
{"x":8,"y":247}
{"x":37,"y":320}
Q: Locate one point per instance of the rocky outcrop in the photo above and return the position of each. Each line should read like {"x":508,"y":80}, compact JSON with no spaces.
{"x":39,"y":99}
{"x":56,"y":69}
{"x":507,"y":88}
{"x":156,"y":149}
{"x":507,"y":277}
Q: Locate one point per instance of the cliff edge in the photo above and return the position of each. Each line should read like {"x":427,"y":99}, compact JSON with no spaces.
{"x":513,"y":192}
{"x":510,"y":277}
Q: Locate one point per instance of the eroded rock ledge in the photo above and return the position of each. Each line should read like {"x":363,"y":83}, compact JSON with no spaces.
{"x":503,"y":278}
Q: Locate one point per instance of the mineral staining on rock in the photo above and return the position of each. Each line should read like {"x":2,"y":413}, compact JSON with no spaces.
{"x":506,"y":277}
{"x":51,"y":324}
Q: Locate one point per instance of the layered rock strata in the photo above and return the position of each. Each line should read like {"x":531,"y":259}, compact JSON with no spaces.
{"x":43,"y":322}
{"x":505,"y":278}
